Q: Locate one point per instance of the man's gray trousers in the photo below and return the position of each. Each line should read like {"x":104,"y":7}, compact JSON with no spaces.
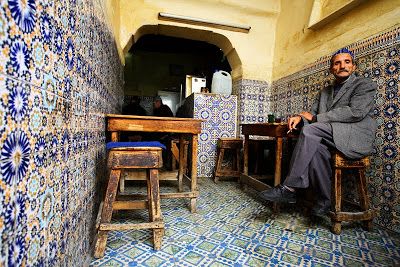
{"x":310,"y":162}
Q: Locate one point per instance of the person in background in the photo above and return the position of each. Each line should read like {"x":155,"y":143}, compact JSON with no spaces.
{"x":134,"y":107}
{"x":160,"y":109}
{"x":183,"y":112}
{"x":341,"y":118}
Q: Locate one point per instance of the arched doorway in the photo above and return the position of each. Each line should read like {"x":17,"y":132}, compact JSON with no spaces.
{"x":207,"y":52}
{"x":210,"y":37}
{"x":159,"y":57}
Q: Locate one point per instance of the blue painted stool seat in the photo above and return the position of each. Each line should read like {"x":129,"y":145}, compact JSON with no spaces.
{"x":111,"y":145}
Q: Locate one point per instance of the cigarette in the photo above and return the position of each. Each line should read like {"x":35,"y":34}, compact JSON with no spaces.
{"x":288,"y":132}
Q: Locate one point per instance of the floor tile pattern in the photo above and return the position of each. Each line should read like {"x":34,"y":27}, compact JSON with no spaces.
{"x":378,"y":58}
{"x":237,"y":229}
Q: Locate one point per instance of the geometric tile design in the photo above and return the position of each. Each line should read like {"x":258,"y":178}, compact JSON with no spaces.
{"x":219,"y":115}
{"x":254,"y":102}
{"x":237,"y":229}
{"x":59,"y":74}
{"x":378,"y":58}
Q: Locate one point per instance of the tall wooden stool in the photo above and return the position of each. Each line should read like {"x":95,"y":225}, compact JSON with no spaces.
{"x":123,"y":158}
{"x":223,"y":144}
{"x":339,"y":163}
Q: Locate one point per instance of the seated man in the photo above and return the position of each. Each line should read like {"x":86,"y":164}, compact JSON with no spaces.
{"x":341,"y":117}
{"x":160,"y":109}
{"x":133,"y":108}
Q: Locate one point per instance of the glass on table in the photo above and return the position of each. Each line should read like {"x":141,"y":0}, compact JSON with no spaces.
{"x":278,"y":117}
{"x":271,"y":118}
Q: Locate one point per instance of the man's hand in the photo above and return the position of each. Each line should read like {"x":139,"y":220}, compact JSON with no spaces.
{"x":293,"y":122}
{"x":307,"y":115}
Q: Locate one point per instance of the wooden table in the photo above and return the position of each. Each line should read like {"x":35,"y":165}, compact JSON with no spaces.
{"x":182,"y":126}
{"x":276,"y":130}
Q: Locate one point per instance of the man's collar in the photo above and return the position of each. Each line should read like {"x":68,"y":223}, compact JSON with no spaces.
{"x":348,"y":78}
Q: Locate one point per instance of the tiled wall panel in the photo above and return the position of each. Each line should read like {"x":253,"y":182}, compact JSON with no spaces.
{"x":219,"y":113}
{"x":254,"y":102}
{"x":378,"y":58}
{"x":59,"y":74}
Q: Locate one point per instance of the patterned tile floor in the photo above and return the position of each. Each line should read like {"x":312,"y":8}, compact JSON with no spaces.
{"x":232,"y":228}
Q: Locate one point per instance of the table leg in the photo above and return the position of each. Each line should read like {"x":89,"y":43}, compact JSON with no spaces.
{"x":181,"y":162}
{"x":243,"y":184}
{"x":278,"y":161}
{"x":246,"y":155}
{"x":193,"y":185}
{"x":278,"y":169}
{"x":114,"y":137}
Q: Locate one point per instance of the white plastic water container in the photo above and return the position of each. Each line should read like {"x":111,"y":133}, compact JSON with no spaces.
{"x":221,"y":83}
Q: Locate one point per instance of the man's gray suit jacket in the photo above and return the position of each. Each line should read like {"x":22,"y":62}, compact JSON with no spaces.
{"x":351,"y":115}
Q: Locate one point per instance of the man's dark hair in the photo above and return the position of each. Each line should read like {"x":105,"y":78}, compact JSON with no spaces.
{"x":158,"y":98}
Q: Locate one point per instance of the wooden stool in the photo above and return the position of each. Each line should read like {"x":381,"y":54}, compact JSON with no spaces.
{"x":223,"y":144}
{"x":122,"y":158}
{"x":366,"y":214}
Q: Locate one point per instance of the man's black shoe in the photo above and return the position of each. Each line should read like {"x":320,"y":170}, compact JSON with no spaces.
{"x":279,"y":194}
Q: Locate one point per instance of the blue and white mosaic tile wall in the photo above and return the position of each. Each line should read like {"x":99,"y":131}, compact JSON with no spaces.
{"x":59,"y":73}
{"x":378,"y":58}
{"x":254,"y":101}
{"x":219,"y":113}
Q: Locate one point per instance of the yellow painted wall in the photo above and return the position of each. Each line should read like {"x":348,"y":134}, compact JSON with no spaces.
{"x":112,"y":11}
{"x":255,"y":49}
{"x":329,"y":6}
{"x":297,"y":46}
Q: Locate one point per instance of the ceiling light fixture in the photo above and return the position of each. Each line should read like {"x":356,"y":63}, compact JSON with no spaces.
{"x":180,"y":18}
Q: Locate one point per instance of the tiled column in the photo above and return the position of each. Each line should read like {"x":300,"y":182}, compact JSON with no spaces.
{"x":219,"y":113}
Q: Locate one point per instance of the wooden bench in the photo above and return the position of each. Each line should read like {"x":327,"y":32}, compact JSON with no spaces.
{"x":125,"y":158}
{"x":223,"y":144}
{"x":339,"y":163}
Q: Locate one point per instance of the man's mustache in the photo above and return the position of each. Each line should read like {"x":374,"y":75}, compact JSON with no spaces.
{"x":343,"y":71}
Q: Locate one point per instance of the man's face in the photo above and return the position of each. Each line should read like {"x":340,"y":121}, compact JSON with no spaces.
{"x":342,"y":66}
{"x":157,"y":104}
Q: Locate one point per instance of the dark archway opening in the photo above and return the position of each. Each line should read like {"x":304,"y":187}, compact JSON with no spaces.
{"x":158,"y":65}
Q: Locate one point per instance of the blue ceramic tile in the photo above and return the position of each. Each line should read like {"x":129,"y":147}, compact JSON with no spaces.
{"x":53,"y":92}
{"x":225,"y":233}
